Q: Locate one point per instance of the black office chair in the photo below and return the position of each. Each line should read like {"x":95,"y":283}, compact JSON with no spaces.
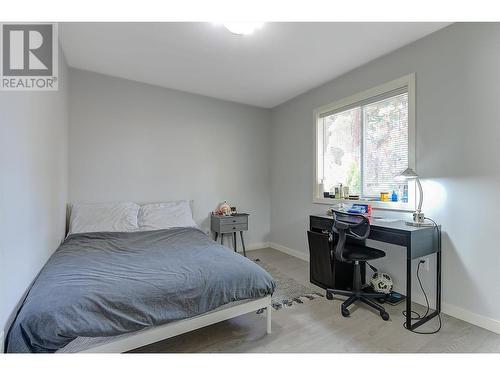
{"x":352,"y":230}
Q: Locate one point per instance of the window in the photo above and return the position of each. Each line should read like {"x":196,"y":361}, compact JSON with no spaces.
{"x":365,"y":141}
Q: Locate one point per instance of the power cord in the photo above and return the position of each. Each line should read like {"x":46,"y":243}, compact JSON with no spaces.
{"x":416,"y":314}
{"x":371,"y":267}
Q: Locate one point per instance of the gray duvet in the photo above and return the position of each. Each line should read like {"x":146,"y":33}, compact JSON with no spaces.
{"x":106,"y":284}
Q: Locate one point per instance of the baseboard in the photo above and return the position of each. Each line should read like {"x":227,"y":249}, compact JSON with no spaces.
{"x":248,"y":247}
{"x":292,"y":252}
{"x":457,"y":312}
{"x":252,"y":247}
{"x":255,"y":246}
{"x":478,"y":320}
{"x":467,"y":316}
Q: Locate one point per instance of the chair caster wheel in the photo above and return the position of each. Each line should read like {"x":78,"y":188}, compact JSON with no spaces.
{"x":384,"y":315}
{"x":345,"y":312}
{"x":329,"y":295}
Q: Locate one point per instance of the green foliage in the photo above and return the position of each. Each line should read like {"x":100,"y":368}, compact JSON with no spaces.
{"x":354,"y":179}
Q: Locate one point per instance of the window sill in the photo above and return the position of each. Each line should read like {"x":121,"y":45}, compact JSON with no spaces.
{"x":376,"y":205}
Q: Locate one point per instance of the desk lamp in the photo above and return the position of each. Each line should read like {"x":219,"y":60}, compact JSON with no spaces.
{"x":418,"y":215}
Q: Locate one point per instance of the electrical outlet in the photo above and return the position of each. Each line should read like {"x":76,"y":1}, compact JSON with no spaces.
{"x":426,"y":261}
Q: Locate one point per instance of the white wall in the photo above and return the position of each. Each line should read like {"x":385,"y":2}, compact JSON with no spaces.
{"x":458,"y":136}
{"x":132,"y":141}
{"x":33,"y":185}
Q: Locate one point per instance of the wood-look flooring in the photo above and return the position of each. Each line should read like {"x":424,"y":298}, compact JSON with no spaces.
{"x":317,"y":326}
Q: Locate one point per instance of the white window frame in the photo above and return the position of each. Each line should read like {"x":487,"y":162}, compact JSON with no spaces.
{"x":407,"y":82}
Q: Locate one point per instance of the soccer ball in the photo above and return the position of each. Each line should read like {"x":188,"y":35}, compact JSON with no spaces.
{"x":381,"y":282}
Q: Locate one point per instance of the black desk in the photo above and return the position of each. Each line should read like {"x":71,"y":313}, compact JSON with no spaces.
{"x":418,"y":241}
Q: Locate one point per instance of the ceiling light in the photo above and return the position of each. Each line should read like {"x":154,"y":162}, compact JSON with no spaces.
{"x":242,"y":28}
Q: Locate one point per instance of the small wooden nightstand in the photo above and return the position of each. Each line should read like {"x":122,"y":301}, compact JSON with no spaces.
{"x":230,"y":224}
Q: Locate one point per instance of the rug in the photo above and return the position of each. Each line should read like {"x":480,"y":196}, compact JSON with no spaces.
{"x":289,"y":291}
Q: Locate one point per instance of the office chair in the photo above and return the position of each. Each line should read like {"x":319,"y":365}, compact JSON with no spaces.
{"x":352,"y":230}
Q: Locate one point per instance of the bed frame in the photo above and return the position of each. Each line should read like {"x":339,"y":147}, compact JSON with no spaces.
{"x":166,"y":331}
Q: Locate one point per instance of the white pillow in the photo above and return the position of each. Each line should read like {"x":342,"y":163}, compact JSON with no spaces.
{"x":165,"y":215}
{"x":104,"y":217}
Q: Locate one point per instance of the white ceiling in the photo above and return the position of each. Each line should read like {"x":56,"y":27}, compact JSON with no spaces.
{"x":276,"y":63}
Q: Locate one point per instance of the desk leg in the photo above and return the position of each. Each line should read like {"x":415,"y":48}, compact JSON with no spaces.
{"x":438,"y":282}
{"x":437,"y":311}
{"x":216,"y":236}
{"x":222,"y":238}
{"x":234,"y":243}
{"x":408,"y":291}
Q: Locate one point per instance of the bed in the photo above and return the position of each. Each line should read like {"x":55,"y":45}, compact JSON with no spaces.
{"x":116,"y":291}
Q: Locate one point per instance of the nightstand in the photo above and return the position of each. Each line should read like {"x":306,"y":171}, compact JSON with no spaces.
{"x":230,"y":225}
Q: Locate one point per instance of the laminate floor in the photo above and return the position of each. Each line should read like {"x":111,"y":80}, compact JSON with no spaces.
{"x":317,"y":326}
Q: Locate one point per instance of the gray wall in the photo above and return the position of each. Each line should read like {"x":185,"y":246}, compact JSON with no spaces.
{"x":33,"y":185}
{"x":132,"y":141}
{"x":458,"y":135}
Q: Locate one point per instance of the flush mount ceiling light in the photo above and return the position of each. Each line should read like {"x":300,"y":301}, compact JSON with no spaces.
{"x":242,"y":28}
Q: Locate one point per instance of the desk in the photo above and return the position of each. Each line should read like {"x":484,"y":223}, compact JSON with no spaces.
{"x":418,"y":242}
